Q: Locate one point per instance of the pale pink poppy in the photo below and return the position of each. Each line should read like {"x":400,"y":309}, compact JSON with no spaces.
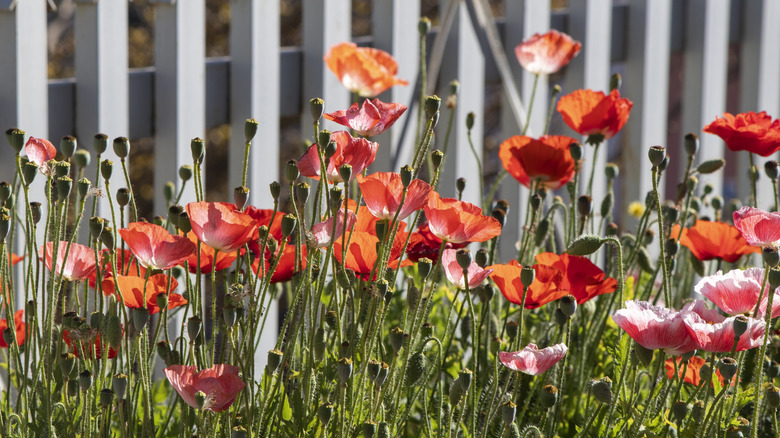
{"x":220,"y":225}
{"x":531,"y":360}
{"x":322,"y":231}
{"x":357,"y":152}
{"x":39,"y":150}
{"x":80,"y":262}
{"x":220,"y":383}
{"x":454,"y":272}
{"x":155,"y":247}
{"x":655,"y":327}
{"x":714,"y":333}
{"x":737,"y":292}
{"x":383,"y":192}
{"x":372,"y":118}
{"x":758,"y":227}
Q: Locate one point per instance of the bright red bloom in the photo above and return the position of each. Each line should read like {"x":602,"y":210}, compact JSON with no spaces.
{"x":383,"y":192}
{"x":692,"y":371}
{"x":155,"y":247}
{"x":79,"y":265}
{"x":543,"y":290}
{"x":710,"y":240}
{"x":224,"y":259}
{"x":476,"y":274}
{"x":357,"y":152}
{"x":371,"y":119}
{"x":363,"y":70}
{"x":132,"y":292}
{"x":220,"y":383}
{"x":286,"y":268}
{"x":548,"y":53}
{"x":269,"y":219}
{"x":594,"y":113}
{"x":580,"y":277}
{"x":546,"y":159}
{"x":655,"y":327}
{"x":423,"y":244}
{"x":19,"y":325}
{"x":78,"y":345}
{"x":220,"y":225}
{"x":531,"y":360}
{"x":714,"y":333}
{"x":736,"y":292}
{"x":39,"y":150}
{"x":756,"y":133}
{"x":758,"y":227}
{"x":459,"y":221}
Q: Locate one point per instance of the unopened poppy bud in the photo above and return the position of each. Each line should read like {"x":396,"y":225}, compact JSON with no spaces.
{"x":238,"y":432}
{"x":740,"y":326}
{"x":369,"y":429}
{"x":274,"y":360}
{"x":123,"y":197}
{"x":508,"y":412}
{"x":198,"y":149}
{"x":119,"y":384}
{"x":615,"y":81}
{"x":770,"y":256}
{"x":575,"y":149}
{"x":68,"y":146}
{"x":481,"y":258}
{"x":85,"y":380}
{"x":345,"y":172}
{"x":466,"y":325}
{"x":611,"y":171}
{"x":291,"y":171}
{"x":121,"y":147}
{"x":344,"y":370}
{"x":250,"y":128}
{"x":100,"y":143}
{"x":680,"y":410}
{"x":771,"y":169}
{"x":460,"y":185}
{"x":511,"y":330}
{"x":324,"y":412}
{"x":774,"y":278}
{"x":15,"y":138}
{"x":463,"y":257}
{"x":194,"y":324}
{"x":288,"y":225}
{"x":432,"y":105}
{"x":62,"y":168}
{"x":106,"y":397}
{"x":607,"y":203}
{"x":114,"y":332}
{"x":140,"y":318}
{"x":611,"y":229}
{"x":728,"y":368}
{"x":585,"y":245}
{"x":548,"y":396}
{"x":568,"y":305}
{"x":772,"y":396}
{"x":656,"y":155}
{"x":602,"y":390}
{"x":584,"y":205}
{"x":185,"y":172}
{"x":95,"y":320}
{"x":437,"y":157}
{"x":397,"y":337}
{"x":644,"y":355}
{"x":106,"y":169}
{"x":415,"y":368}
{"x":691,"y":144}
{"x":527,"y":276}
{"x":470,"y":120}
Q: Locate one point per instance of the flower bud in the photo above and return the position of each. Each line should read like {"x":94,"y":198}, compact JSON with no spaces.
{"x":584,"y":205}
{"x":656,"y":154}
{"x":8,"y":336}
{"x":15,"y":138}
{"x":344,"y":370}
{"x":465,"y":327}
{"x":121,"y":147}
{"x":470,"y":120}
{"x":680,"y":410}
{"x":415,"y":368}
{"x":198,"y":149}
{"x":644,"y":355}
{"x":119,"y":384}
{"x":274,"y":360}
{"x":585,"y":245}
{"x":499,"y":215}
{"x":114,"y":332}
{"x":397,"y":337}
{"x":432,"y":105}
{"x":200,"y":399}
{"x":324,"y":412}
{"x":615,"y":81}
{"x":106,"y":169}
{"x":250,"y":129}
{"x":319,"y":344}
{"x":728,"y":368}
{"x":711,"y":166}
{"x":671,"y":246}
{"x":549,"y":396}
{"x":602,"y":389}
{"x":437,"y":157}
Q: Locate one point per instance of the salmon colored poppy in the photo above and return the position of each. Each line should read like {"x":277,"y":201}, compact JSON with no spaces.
{"x":88,"y":344}
{"x":594,"y":113}
{"x":370,"y":119}
{"x":580,"y":277}
{"x":135,"y":297}
{"x":756,"y":133}
{"x":16,"y":258}
{"x":79,"y":264}
{"x":219,"y":383}
{"x":39,"y":150}
{"x":547,"y":53}
{"x":155,"y":247}
{"x":531,"y":360}
{"x":19,"y":325}
{"x":224,"y":259}
{"x":459,"y":221}
{"x":357,"y":152}
{"x":363,"y":70}
{"x":714,"y":240}
{"x":476,"y":274}
{"x":383,"y":193}
{"x":546,"y":160}
{"x":758,"y":227}
{"x":220,"y":225}
{"x":285,"y":269}
{"x":423,"y":244}
{"x":543,"y":290}
{"x":692,"y":371}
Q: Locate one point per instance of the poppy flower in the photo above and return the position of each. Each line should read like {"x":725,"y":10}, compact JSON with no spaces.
{"x":531,"y":360}
{"x":580,"y":277}
{"x":19,"y":325}
{"x":692,"y":371}
{"x":361,"y":255}
{"x":758,"y":227}
{"x":224,"y":259}
{"x":383,"y":193}
{"x":220,"y":225}
{"x":547,"y":53}
{"x":655,"y":327}
{"x":363,"y":70}
{"x":220,"y":383}
{"x":546,"y":160}
{"x":543,"y":290}
{"x":16,"y":259}
{"x":357,"y":152}
{"x":134,"y":296}
{"x":756,"y":133}
{"x":459,"y":221}
{"x":126,"y":262}
{"x":79,"y":265}
{"x":78,"y":342}
{"x":39,"y":150}
{"x":714,"y":240}
{"x":454,"y":272}
{"x":737,"y":292}
{"x":285,"y":269}
{"x":594,"y":113}
{"x":423,"y":244}
{"x":322,"y":231}
{"x":713,"y":333}
{"x":268,"y":218}
{"x":155,"y":247}
{"x":370,"y":119}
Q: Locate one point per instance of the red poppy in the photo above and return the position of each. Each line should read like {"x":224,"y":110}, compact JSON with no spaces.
{"x":594,"y":113}
{"x":758,"y":227}
{"x":268,"y":218}
{"x":363,"y":70}
{"x":384,"y":191}
{"x":751,"y":132}
{"x":710,"y":240}
{"x":155,"y":247}
{"x":220,"y":225}
{"x":423,"y":244}
{"x":285,"y":269}
{"x":133,"y":295}
{"x":548,"y":53}
{"x":543,"y":290}
{"x":692,"y":371}
{"x":39,"y":150}
{"x":19,"y":325}
{"x":371,"y":119}
{"x":580,"y":278}
{"x":78,"y":345}
{"x":219,"y":383}
{"x":79,"y":265}
{"x":459,"y":221}
{"x":357,"y":152}
{"x":546,"y":159}
{"x":224,"y":259}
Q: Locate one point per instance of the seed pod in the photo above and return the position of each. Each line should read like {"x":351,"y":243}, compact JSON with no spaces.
{"x":511,"y":330}
{"x":240,"y":196}
{"x":114,"y":332}
{"x":772,"y":395}
{"x":344,"y":370}
{"x":432,"y":105}
{"x":85,"y":380}
{"x":185,"y":172}
{"x":397,"y":337}
{"x":198,"y":149}
{"x":728,"y":368}
{"x":123,"y":197}
{"x":274,"y":360}
{"x":437,"y":157}
{"x":15,"y":138}
{"x":238,"y":432}
{"x":106,"y":397}
{"x":463,"y":257}
{"x":324,"y":412}
{"x":369,"y":429}
{"x":381,"y":377}
{"x":29,"y":170}
{"x":698,"y":411}
{"x":64,"y":185}
{"x":568,"y":305}
{"x":119,"y":384}
{"x":250,"y":127}
{"x":415,"y":368}
{"x":383,"y":430}
{"x":549,"y":396}
{"x":602,"y":390}
{"x":680,"y":410}
{"x":106,"y":169}
{"x":508,"y":412}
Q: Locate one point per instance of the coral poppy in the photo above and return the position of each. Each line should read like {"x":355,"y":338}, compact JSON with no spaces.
{"x":155,"y":247}
{"x":370,"y":119}
{"x":19,"y":325}
{"x":655,"y":327}
{"x":756,"y":133}
{"x":323,"y":231}
{"x":594,"y":113}
{"x":363,"y":70}
{"x":546,"y":160}
{"x":459,"y":221}
{"x":219,"y":383}
{"x":547,"y":53}
{"x":357,"y":152}
{"x":88,"y":342}
{"x":384,"y":191}
{"x":423,"y":244}
{"x":710,"y":240}
{"x":758,"y":227}
{"x":79,"y":264}
{"x":714,"y":333}
{"x":131,"y":290}
{"x":692,"y":371}
{"x":476,"y":274}
{"x":543,"y":290}
{"x":580,"y":277}
{"x":39,"y":150}
{"x":737,"y":292}
{"x":220,"y":225}
{"x":531,"y":360}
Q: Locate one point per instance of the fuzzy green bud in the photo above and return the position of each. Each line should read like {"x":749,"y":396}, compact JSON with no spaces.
{"x":711,"y":166}
{"x":415,"y":368}
{"x":585,"y":245}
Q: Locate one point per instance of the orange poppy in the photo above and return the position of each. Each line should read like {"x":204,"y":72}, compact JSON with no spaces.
{"x":692,"y":372}
{"x":594,"y":113}
{"x":749,"y":131}
{"x":714,"y":240}
{"x":384,"y":191}
{"x":155,"y":247}
{"x":133,"y":295}
{"x":546,"y":159}
{"x":19,"y":325}
{"x":363,"y":70}
{"x":370,"y":119}
{"x":357,"y":152}
{"x":543,"y":290}
{"x":548,"y":53}
{"x":220,"y":225}
{"x":580,"y":277}
{"x":459,"y":221}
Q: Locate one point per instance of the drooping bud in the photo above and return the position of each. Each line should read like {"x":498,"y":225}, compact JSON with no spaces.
{"x":711,"y":166}
{"x":644,"y":355}
{"x":415,"y":368}
{"x":585,"y":245}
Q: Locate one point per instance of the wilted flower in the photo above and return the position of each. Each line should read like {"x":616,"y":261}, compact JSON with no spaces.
{"x":39,"y":150}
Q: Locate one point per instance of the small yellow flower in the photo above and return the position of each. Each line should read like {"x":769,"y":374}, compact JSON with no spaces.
{"x":636,"y":209}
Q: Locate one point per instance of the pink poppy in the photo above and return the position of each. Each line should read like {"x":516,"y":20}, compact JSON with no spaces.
{"x":155,"y":247}
{"x":758,"y":227}
{"x":737,"y":292}
{"x":459,"y":221}
{"x":357,"y":152}
{"x":655,"y":327}
{"x":383,"y":192}
{"x":220,"y":226}
{"x":454,"y":272}
{"x":714,"y":333}
{"x":548,"y":53}
{"x":531,"y":360}
{"x":79,"y":264}
{"x":220,"y":383}
{"x":39,"y":150}
{"x":371,"y":119}
{"x":322,"y":231}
